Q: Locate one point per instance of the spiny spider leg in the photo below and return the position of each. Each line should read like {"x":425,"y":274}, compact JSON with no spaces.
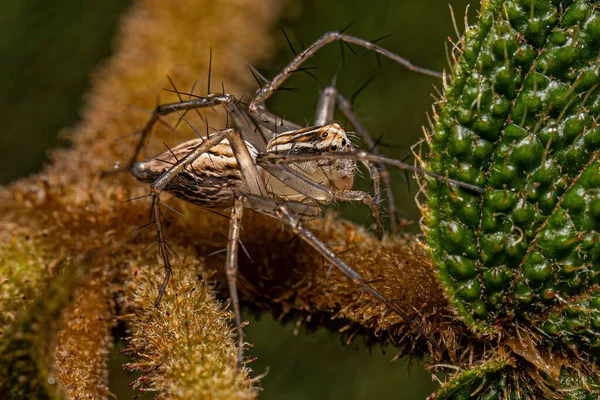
{"x":231,"y":267}
{"x":322,"y":193}
{"x":249,"y":129}
{"x":163,"y":250}
{"x":264,"y":159}
{"x":165,"y":109}
{"x":273,"y":122}
{"x":268,"y":89}
{"x":267,"y":119}
{"x":282,"y":213}
{"x":191,"y":93}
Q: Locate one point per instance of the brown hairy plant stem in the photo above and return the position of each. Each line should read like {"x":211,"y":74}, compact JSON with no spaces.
{"x":67,"y":214}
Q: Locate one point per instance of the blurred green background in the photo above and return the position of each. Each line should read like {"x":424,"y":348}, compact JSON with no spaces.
{"x":49,"y":50}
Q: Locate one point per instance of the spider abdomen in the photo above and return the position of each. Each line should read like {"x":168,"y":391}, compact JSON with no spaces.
{"x":210,"y":181}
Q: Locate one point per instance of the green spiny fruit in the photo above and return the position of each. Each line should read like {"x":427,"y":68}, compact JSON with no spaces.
{"x":523,"y":127}
{"x":519,"y":118}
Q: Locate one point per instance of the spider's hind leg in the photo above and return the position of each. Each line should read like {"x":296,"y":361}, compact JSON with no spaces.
{"x":263,"y":205}
{"x":283,"y":213}
{"x":231,"y":268}
{"x":163,"y":247}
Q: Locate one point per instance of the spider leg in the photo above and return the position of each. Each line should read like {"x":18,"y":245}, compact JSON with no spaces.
{"x":272,"y":122}
{"x":322,"y":193}
{"x":268,"y":89}
{"x":245,"y":124}
{"x":165,"y":109}
{"x":326,"y":106}
{"x":265,"y":205}
{"x":231,"y":267}
{"x":283,"y":213}
{"x":157,"y":187}
{"x":163,"y":249}
{"x":249,"y":129}
{"x":272,"y":159}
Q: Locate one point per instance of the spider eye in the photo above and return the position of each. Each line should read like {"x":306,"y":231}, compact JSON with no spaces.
{"x":343,"y":142}
{"x":333,"y":148}
{"x":324,"y":135}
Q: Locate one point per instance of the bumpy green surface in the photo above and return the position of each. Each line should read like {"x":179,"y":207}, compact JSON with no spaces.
{"x":486,"y":380}
{"x":577,"y":325}
{"x":520,"y":120}
{"x":494,"y":380}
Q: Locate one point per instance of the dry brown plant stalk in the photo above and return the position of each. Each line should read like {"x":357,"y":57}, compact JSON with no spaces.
{"x":66,"y":252}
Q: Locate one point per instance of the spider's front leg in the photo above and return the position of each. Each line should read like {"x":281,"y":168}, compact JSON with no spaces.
{"x":330,"y":99}
{"x":231,"y":268}
{"x":268,"y":89}
{"x":271,"y":159}
{"x":324,"y":181}
{"x":322,"y":193}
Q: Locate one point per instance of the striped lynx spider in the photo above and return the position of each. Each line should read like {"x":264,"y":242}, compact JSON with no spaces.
{"x":274,"y":167}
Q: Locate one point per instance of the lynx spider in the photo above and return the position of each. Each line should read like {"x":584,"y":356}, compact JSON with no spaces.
{"x":274,"y":167}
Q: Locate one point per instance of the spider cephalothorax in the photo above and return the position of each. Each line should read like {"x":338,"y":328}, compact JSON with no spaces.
{"x":336,"y":173}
